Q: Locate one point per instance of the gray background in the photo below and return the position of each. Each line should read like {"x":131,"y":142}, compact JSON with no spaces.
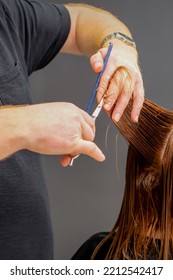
{"x":86,"y":198}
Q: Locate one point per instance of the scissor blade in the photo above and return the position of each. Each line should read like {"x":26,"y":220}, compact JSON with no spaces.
{"x":98,"y":109}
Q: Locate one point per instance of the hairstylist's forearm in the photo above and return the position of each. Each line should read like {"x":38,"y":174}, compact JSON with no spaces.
{"x":57,"y":128}
{"x":90,"y":35}
{"x":12,"y":130}
{"x":89,"y":26}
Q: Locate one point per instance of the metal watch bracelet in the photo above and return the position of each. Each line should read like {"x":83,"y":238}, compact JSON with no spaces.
{"x":120,"y":36}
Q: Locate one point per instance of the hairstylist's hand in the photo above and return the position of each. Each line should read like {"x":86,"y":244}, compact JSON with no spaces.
{"x":121,"y":80}
{"x":60,"y":129}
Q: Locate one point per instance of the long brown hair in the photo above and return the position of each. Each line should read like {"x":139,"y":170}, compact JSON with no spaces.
{"x":144,"y":228}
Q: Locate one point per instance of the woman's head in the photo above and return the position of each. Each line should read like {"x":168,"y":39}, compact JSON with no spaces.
{"x":145,"y":224}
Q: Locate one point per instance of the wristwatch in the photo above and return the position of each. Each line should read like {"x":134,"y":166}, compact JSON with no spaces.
{"x":120,"y":36}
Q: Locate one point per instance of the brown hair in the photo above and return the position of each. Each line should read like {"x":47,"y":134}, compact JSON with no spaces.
{"x":144,"y":228}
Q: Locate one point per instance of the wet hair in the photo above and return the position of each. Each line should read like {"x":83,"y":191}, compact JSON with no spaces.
{"x":144,"y":228}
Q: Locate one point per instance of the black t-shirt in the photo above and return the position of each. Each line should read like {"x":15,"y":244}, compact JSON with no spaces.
{"x":31,"y":34}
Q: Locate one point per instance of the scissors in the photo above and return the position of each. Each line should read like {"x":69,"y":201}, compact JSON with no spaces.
{"x":97,"y":111}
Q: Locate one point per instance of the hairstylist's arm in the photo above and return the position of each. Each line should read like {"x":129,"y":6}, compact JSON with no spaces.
{"x":53,"y":128}
{"x":122,"y":78}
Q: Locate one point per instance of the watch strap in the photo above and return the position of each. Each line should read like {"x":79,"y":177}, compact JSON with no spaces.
{"x":120,"y":36}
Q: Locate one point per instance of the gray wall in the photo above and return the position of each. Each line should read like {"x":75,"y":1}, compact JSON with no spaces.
{"x":86,"y":198}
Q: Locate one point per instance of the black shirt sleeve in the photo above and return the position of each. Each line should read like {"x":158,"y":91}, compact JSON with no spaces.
{"x":42,"y":29}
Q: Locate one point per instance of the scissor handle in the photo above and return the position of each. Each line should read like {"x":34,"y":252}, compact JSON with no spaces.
{"x":93,"y":95}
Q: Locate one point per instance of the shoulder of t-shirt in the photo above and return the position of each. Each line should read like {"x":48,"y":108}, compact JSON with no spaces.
{"x":34,"y":21}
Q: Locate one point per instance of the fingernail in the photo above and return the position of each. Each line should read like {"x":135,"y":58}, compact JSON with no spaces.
{"x":107,"y":106}
{"x":117,"y":117}
{"x":98,"y":64}
{"x":136,"y":118}
{"x":102,"y":158}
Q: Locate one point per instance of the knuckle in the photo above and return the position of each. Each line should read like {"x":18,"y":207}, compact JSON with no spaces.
{"x":102,"y":88}
{"x":92,"y":148}
{"x":92,"y":137}
{"x":127,"y":92}
{"x":113,"y":85}
{"x":111,"y":95}
{"x":105,"y":79}
{"x":93,"y":127}
{"x":125,"y":97}
{"x":117,"y":78}
{"x":139,"y":97}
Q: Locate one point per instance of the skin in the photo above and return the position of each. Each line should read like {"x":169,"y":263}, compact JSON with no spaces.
{"x":45,"y":128}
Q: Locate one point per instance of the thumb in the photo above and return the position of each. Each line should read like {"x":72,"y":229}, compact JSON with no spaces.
{"x":65,"y":160}
{"x":96,"y":62}
{"x":84,"y":147}
{"x":90,"y":149}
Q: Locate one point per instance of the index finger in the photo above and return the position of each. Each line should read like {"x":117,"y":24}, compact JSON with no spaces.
{"x":94,"y":93}
{"x":105,"y":80}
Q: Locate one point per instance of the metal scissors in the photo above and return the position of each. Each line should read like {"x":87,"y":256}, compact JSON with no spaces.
{"x":93,"y":96}
{"x":94,"y":115}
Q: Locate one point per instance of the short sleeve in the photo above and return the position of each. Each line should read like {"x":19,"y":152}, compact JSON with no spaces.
{"x":42,"y":29}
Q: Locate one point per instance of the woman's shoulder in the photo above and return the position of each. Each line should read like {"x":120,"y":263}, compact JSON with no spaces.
{"x":87,"y":248}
